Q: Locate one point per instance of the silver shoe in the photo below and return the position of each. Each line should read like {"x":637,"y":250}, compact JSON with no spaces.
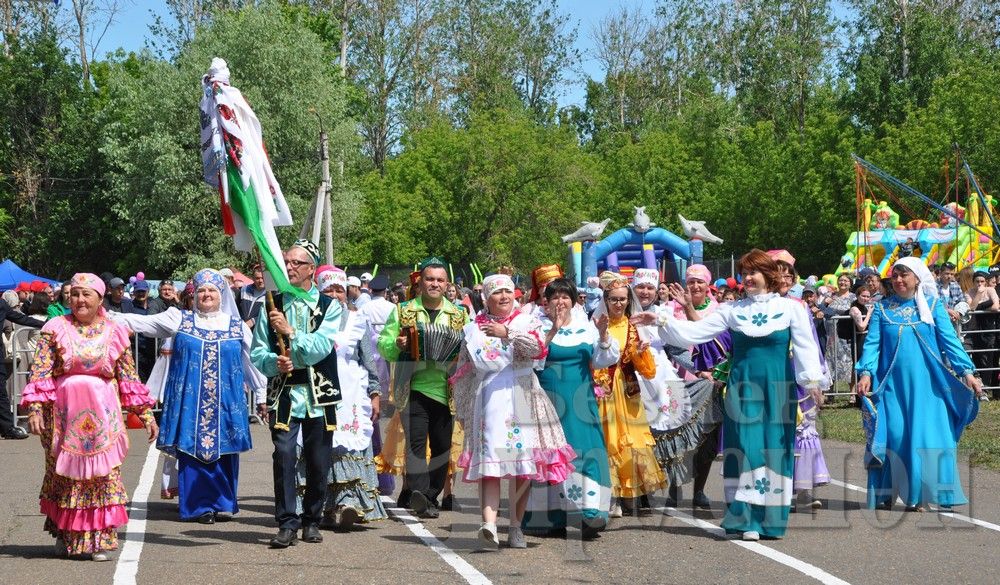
{"x":751,"y":536}
{"x":488,"y":536}
{"x":515,"y":538}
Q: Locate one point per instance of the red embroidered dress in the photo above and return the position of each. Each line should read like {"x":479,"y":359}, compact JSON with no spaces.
{"x":81,"y":378}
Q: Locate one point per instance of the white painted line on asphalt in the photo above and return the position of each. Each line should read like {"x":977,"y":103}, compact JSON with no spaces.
{"x":135,"y":530}
{"x":461,"y":566}
{"x":962,"y":517}
{"x":763,"y":550}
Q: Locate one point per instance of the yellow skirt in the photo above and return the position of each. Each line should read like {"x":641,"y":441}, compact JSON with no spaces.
{"x":634,"y":468}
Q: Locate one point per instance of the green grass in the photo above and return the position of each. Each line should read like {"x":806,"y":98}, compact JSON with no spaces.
{"x":981,"y":440}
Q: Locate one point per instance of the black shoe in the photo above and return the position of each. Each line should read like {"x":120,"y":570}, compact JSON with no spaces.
{"x":311,"y":534}
{"x":207,"y":518}
{"x":419,"y":503}
{"x":431,"y":512}
{"x":644,"y":502}
{"x":448,"y":504}
{"x":284,"y":539}
{"x":673,"y":497}
{"x":404,"y":499}
{"x":16,"y":433}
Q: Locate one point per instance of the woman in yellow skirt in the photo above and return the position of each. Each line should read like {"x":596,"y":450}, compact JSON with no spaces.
{"x":635,"y":471}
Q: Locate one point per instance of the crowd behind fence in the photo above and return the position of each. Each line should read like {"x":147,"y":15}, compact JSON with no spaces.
{"x":20,"y":356}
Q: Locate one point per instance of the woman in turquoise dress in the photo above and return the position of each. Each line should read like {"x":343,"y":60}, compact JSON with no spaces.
{"x":914,"y":404}
{"x":575,"y":345}
{"x":761,"y":402}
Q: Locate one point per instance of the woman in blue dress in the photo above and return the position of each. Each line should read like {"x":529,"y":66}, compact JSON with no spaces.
{"x":575,"y":345}
{"x":205,"y":419}
{"x":761,"y":402}
{"x":914,"y":403}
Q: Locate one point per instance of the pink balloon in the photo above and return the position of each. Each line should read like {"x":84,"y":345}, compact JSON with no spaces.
{"x":140,"y":275}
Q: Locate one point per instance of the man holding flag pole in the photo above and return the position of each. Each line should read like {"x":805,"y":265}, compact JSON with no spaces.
{"x":293,"y":347}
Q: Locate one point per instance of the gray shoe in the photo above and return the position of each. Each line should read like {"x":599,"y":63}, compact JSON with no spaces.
{"x":515,"y":538}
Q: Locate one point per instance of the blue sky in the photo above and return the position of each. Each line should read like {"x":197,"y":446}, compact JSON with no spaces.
{"x":131,"y":27}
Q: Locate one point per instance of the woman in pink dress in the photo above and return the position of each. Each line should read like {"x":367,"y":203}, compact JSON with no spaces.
{"x":82,"y":377}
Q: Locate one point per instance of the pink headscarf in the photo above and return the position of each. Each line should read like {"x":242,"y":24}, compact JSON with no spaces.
{"x":698,"y":271}
{"x":88,"y":280}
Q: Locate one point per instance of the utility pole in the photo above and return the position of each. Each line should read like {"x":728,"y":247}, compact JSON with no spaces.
{"x":324,"y":151}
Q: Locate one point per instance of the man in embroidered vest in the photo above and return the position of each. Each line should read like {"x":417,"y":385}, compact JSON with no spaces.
{"x":421,"y":385}
{"x":303,"y":392}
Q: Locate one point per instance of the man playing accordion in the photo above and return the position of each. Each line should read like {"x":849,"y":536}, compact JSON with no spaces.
{"x":422,"y":338}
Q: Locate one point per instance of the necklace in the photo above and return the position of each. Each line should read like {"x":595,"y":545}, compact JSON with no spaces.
{"x":704,"y":305}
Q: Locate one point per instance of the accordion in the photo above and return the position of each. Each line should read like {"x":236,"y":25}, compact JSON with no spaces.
{"x":434,"y":343}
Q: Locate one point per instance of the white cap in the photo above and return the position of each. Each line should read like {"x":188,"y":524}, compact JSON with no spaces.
{"x":366,"y":277}
{"x":353,"y":281}
{"x":226,"y":272}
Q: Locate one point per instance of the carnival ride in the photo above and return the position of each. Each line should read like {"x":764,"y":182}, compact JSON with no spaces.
{"x":637,"y":245}
{"x":961,"y":230}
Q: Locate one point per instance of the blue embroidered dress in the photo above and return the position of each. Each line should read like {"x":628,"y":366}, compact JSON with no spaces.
{"x":205,"y":419}
{"x":921,"y":406}
{"x":760,"y":405}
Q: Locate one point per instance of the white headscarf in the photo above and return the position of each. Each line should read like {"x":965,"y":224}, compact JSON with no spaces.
{"x":926,"y":286}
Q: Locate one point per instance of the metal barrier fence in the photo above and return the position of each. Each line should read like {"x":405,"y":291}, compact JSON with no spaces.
{"x":21,"y":353}
{"x":986,"y":358}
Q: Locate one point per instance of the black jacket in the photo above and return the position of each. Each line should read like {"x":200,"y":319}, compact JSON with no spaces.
{"x":11,"y":314}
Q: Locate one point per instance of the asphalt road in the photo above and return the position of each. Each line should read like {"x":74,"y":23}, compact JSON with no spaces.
{"x":841,"y":543}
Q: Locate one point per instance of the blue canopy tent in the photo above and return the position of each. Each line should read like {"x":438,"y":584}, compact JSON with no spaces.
{"x":11,"y":274}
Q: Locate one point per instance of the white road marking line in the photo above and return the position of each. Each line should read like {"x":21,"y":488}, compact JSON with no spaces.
{"x":135,"y":531}
{"x":763,"y":550}
{"x":461,"y":566}
{"x":962,"y":517}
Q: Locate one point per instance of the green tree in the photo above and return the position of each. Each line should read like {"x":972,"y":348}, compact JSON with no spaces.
{"x":152,"y":143}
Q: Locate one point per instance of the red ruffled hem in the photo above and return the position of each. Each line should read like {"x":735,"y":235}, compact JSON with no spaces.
{"x":134,"y":394}
{"x":551,"y":465}
{"x":86,"y":519}
{"x":43,"y":390}
{"x":461,"y":372}
{"x":83,"y":467}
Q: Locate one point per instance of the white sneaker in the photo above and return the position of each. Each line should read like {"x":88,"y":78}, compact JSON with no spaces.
{"x":616,"y":511}
{"x":515,"y":538}
{"x":100,"y":557}
{"x":751,"y":535}
{"x":488,"y":536}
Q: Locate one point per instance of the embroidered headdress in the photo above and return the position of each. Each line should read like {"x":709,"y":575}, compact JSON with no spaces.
{"x":209,"y":277}
{"x":309,"y":247}
{"x":926,"y":286}
{"x":541,"y":276}
{"x":698,"y":272}
{"x":88,"y":280}
{"x":645,"y":276}
{"x":495,"y":282}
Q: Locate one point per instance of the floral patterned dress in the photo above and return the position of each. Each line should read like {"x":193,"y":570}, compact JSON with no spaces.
{"x":81,"y":378}
{"x":511,"y":428}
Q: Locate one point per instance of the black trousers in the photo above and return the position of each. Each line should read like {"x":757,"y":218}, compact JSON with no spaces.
{"x":316,"y":447}
{"x":426,"y":420}
{"x":6,"y":413}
